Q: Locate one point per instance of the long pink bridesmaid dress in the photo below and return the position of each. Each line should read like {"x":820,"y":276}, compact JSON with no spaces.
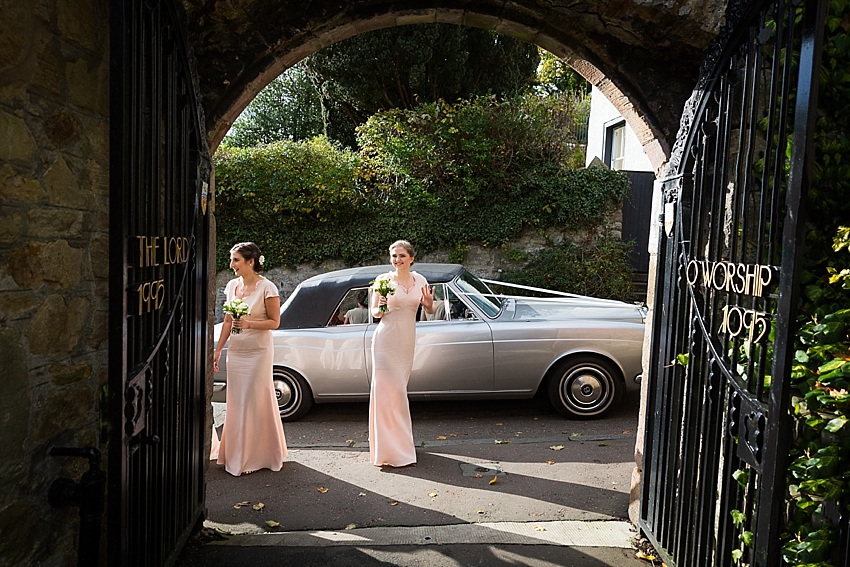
{"x":390,"y":428}
{"x":252,"y":438}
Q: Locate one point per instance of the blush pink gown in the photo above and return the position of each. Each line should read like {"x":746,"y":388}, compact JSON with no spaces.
{"x":390,"y":428}
{"x":252,"y":438}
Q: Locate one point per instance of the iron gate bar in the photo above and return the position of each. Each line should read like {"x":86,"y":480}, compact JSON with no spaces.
{"x":157,"y":360}
{"x":778,"y":434}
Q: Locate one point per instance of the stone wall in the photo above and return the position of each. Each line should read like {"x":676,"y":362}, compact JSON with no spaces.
{"x":54,"y":139}
{"x":484,"y":262}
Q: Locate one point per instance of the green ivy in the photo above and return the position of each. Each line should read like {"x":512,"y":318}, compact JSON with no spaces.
{"x":818,"y":477}
{"x":442,"y":176}
{"x":597,"y":270}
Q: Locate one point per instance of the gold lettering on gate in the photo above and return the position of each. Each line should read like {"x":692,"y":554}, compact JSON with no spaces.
{"x":742,"y":279}
{"x":155,"y":251}
{"x":745,"y":279}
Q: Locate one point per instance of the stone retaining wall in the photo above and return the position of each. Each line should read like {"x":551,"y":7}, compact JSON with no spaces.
{"x":484,"y":262}
{"x":54,"y":141}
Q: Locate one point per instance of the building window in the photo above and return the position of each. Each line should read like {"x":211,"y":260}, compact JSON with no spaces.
{"x":615,"y":145}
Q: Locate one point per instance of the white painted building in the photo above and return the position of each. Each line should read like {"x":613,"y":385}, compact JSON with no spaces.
{"x":611,"y":140}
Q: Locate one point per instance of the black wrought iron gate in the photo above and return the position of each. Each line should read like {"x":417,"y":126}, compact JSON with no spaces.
{"x":717,"y":425}
{"x":159,"y":175}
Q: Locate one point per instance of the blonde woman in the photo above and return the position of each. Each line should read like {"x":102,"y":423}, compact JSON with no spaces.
{"x":390,"y":428}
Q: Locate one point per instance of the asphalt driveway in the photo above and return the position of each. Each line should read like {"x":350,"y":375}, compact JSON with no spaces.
{"x":491,"y":476}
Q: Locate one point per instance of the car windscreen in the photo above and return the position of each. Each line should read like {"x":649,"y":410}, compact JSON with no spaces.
{"x":478,"y":292}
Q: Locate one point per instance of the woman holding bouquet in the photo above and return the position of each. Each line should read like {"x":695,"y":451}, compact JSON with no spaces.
{"x":252,"y":438}
{"x":390,"y":428}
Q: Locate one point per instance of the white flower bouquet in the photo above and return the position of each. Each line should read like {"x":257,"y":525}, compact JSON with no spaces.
{"x":236,"y":308}
{"x":384,"y":286}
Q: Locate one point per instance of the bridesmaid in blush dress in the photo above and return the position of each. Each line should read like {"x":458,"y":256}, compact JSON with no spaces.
{"x":390,"y":428}
{"x":252,"y":438}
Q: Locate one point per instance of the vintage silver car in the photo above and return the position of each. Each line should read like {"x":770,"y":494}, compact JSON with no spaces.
{"x":584,"y":352}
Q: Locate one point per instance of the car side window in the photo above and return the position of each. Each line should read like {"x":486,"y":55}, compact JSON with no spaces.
{"x":353,"y":309}
{"x":440,"y":306}
{"x":458,"y":309}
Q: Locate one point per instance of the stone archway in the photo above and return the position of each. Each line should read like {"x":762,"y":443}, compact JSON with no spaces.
{"x":645,"y":59}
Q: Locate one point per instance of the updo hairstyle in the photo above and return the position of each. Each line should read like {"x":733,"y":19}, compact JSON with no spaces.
{"x":249,"y":251}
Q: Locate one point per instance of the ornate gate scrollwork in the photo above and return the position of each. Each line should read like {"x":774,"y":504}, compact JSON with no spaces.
{"x":717,"y":422}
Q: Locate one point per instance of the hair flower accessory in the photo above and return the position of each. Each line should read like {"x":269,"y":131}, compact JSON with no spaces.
{"x":262,"y":259}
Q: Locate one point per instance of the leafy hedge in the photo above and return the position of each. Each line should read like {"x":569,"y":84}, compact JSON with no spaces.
{"x":596,"y":270}
{"x":442,"y":176}
{"x":819,"y":472}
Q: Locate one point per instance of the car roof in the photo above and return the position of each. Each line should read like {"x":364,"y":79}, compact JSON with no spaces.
{"x":313,"y":302}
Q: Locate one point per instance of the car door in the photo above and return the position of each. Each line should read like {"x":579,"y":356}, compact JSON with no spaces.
{"x":331,"y":358}
{"x":454,"y":352}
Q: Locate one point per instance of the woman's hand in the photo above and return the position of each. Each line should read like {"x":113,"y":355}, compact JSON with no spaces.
{"x":427,"y":300}
{"x":216,"y":356}
{"x":375,"y":309}
{"x":241,"y":323}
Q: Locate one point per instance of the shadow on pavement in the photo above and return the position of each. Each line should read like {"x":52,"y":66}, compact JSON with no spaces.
{"x":420,"y":556}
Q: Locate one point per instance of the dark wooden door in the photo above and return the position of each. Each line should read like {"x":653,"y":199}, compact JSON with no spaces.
{"x":637,"y":207}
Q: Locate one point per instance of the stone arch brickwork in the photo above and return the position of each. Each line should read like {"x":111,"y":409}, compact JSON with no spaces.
{"x":643,"y":56}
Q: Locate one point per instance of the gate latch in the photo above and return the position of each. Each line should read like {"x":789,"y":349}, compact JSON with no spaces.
{"x":87,"y":494}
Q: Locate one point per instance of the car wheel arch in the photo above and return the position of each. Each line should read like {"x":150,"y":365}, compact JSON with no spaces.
{"x":293,"y":392}
{"x":602,"y":376}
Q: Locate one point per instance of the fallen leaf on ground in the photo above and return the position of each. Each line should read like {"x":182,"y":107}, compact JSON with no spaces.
{"x":478,"y":475}
{"x":452,"y":434}
{"x":480,"y":511}
{"x":362,"y":494}
{"x":394,"y":503}
{"x":349,"y":441}
{"x":495,"y":478}
{"x":258,"y":506}
{"x":237,"y":506}
{"x":535,"y":419}
{"x":322,"y":489}
{"x":642,"y":555}
{"x":441,"y":437}
{"x":550,"y":462}
{"x":556,"y":447}
{"x":539,"y":529}
{"x":626,"y":432}
{"x":432,"y":494}
{"x":350,"y":526}
{"x":272,"y":523}
{"x":603,"y":444}
{"x":499,"y":424}
{"x":502,"y":441}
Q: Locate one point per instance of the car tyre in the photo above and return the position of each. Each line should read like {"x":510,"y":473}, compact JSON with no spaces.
{"x":294,"y":397}
{"x":585,"y":387}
